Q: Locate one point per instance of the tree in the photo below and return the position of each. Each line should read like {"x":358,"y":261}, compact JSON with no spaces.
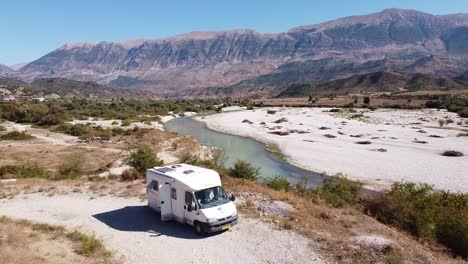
{"x":366,"y":100}
{"x":143,"y":158}
{"x":244,"y":170}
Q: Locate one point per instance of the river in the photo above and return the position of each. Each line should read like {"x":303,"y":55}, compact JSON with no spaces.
{"x":242,"y":148}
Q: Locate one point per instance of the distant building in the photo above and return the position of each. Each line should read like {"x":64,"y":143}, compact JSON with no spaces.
{"x":39,"y":99}
{"x":8,"y":98}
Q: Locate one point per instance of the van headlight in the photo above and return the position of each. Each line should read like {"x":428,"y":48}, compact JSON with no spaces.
{"x":212,"y":220}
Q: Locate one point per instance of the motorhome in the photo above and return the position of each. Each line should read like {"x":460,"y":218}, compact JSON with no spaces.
{"x":191,"y":195}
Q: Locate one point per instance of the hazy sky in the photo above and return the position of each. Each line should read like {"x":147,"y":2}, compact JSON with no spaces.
{"x":30,"y":29}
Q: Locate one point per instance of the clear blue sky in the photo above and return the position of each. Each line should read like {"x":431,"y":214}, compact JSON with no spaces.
{"x":30,"y":29}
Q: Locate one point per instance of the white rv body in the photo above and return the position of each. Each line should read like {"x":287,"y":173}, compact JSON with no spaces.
{"x":191,"y":195}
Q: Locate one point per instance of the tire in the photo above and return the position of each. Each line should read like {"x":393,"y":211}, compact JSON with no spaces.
{"x":198,"y":228}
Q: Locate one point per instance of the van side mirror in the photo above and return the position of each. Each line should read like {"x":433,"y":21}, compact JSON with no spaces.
{"x":232,"y":198}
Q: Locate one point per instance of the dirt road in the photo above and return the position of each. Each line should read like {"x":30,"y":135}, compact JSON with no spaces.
{"x":136,"y":235}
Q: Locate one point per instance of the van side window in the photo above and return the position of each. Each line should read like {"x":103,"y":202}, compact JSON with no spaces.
{"x":188,"y":198}
{"x":155,"y":185}
{"x":173,"y":193}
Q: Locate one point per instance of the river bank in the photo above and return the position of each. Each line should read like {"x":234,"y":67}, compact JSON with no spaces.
{"x":376,"y":147}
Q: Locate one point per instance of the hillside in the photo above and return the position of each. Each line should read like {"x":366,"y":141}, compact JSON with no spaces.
{"x":65,"y":88}
{"x":374,"y":82}
{"x":5,"y":70}
{"x":247,"y":62}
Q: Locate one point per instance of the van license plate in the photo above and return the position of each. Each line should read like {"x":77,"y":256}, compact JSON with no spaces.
{"x":226,"y":227}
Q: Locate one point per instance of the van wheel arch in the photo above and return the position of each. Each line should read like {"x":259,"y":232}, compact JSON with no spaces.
{"x":198,"y":228}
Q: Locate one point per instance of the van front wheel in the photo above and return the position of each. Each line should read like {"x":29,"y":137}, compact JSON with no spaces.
{"x":198,"y":228}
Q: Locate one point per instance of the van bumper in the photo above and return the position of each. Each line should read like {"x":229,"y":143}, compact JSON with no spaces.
{"x":219,"y":226}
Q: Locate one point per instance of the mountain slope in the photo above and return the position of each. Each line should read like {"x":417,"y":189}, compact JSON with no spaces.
{"x":236,"y":61}
{"x":374,"y":82}
{"x":5,"y":70}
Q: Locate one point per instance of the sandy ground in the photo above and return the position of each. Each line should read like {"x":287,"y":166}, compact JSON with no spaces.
{"x":136,"y":235}
{"x":42,"y":135}
{"x":395,"y":131}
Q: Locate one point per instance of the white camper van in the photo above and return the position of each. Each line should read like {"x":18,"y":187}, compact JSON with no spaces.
{"x":192,"y":195}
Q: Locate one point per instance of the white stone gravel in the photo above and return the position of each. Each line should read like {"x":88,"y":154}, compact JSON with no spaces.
{"x":392,"y":130}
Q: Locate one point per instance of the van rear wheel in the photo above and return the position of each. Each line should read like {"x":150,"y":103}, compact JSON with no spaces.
{"x":198,"y":228}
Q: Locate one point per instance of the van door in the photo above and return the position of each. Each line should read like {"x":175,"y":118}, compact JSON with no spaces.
{"x":152,"y":191}
{"x":190,"y":208}
{"x":166,"y":203}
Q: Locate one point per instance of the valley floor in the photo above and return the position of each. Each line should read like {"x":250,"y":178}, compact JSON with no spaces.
{"x":376,"y":147}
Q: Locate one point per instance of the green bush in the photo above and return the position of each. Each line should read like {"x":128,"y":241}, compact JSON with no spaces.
{"x":278,"y":183}
{"x":73,"y":166}
{"x":144,"y":158}
{"x":32,"y":170}
{"x":366,"y":100}
{"x":244,"y":170}
{"x":340,"y":191}
{"x":15,"y":135}
{"x":426,"y":213}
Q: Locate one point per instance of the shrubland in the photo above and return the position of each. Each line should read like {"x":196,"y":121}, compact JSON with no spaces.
{"x":57,"y":112}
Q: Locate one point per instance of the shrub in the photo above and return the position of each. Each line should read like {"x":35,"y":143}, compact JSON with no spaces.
{"x":131,"y":175}
{"x":72,"y":166}
{"x":89,"y":243}
{"x":340,"y":191}
{"x":32,"y":170}
{"x":462,"y":134}
{"x":143,"y":158}
{"x":426,"y":213}
{"x":125,"y":123}
{"x":244,"y":170}
{"x":366,"y":100}
{"x":15,"y":135}
{"x":278,"y":183}
{"x":2,"y":128}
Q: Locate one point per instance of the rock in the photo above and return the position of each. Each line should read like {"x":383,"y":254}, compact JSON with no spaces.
{"x":271,"y":112}
{"x":247,"y":121}
{"x":281,"y":120}
{"x":279,"y":133}
{"x":372,"y":241}
{"x":364,"y":142}
{"x":329,"y":136}
{"x":276,"y":208}
{"x":452,"y":153}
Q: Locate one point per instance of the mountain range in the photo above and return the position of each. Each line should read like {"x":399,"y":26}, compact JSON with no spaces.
{"x":247,"y":63}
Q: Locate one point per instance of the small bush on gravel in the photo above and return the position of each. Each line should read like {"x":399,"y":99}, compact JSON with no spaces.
{"x":27,"y":170}
{"x":340,"y":191}
{"x":2,"y":128}
{"x":143,"y":158}
{"x":32,"y":170}
{"x":73,"y":166}
{"x":278,"y":183}
{"x":15,"y":135}
{"x":244,"y":170}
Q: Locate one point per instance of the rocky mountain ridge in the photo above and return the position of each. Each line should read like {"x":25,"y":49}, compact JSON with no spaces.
{"x":245,"y":62}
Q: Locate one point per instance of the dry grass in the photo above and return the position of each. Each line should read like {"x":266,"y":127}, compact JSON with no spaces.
{"x":332,"y":229}
{"x":25,"y":242}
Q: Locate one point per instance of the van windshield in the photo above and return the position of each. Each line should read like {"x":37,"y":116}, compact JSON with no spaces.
{"x":211,"y":197}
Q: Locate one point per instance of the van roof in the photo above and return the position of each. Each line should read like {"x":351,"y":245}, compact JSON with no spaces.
{"x":196,"y":178}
